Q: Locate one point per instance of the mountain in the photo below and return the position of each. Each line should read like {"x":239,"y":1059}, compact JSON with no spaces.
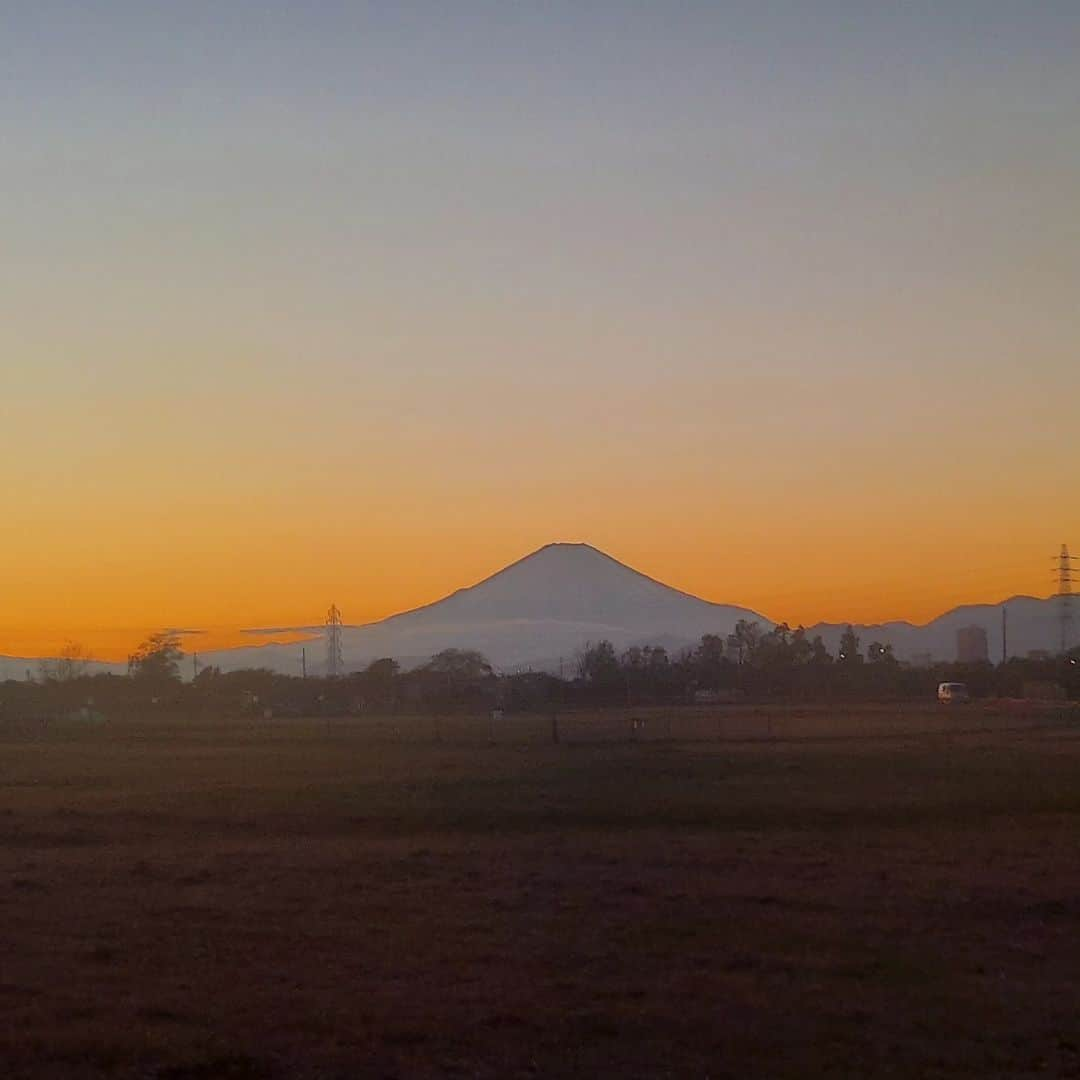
{"x":533,"y":613}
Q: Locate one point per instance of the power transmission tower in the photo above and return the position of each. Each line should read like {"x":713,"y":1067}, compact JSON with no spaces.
{"x":334,"y":664}
{"x":1065,"y":576}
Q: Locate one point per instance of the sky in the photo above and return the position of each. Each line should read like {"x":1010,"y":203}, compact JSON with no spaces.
{"x":356,"y":303}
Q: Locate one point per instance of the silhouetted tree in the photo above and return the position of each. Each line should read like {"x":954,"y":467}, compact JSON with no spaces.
{"x":597,"y":664}
{"x":459,"y":665}
{"x":819,"y":652}
{"x":207,"y":675}
{"x":157,"y":659}
{"x":802,"y":652}
{"x":849,"y":647}
{"x":711,"y":652}
{"x":378,"y":681}
{"x":877,"y":653}
{"x":457,"y":677}
{"x":647,"y":671}
{"x":383,"y":670}
{"x":745,"y":639}
{"x":772,"y":650}
{"x":72,"y":663}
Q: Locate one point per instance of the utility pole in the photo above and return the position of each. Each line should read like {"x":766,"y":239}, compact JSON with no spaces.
{"x":303,"y":663}
{"x":194,"y":665}
{"x":1065,"y":578}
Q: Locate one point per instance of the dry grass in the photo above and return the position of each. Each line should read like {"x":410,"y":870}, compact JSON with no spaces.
{"x":752,"y":892}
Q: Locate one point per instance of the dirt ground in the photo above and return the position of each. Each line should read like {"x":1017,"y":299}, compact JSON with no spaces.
{"x":768,"y":893}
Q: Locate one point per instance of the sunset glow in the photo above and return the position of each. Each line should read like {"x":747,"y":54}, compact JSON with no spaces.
{"x":779,"y":310}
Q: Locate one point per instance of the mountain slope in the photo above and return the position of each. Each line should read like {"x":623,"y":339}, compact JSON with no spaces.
{"x":567,"y":582}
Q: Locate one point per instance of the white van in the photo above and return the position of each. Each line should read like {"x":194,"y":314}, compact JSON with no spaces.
{"x":951,"y":693}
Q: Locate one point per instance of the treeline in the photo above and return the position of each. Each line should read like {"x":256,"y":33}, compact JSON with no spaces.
{"x":753,"y":664}
{"x":750,"y":665}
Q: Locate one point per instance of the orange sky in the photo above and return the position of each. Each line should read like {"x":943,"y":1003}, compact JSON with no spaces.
{"x":805,"y":492}
{"x":778,"y":308}
{"x":114,"y":588}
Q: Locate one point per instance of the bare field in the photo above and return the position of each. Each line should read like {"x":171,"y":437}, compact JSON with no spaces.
{"x":736,"y":892}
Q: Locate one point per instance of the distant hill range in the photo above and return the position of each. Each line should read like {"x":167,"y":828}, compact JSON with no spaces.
{"x":20,"y":667}
{"x":539,"y":611}
{"x":1033,"y":624}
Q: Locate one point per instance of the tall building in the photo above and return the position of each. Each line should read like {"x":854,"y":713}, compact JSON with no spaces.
{"x":971,"y":645}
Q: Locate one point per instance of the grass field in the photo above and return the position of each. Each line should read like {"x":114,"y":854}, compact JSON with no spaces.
{"x":770,"y":892}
